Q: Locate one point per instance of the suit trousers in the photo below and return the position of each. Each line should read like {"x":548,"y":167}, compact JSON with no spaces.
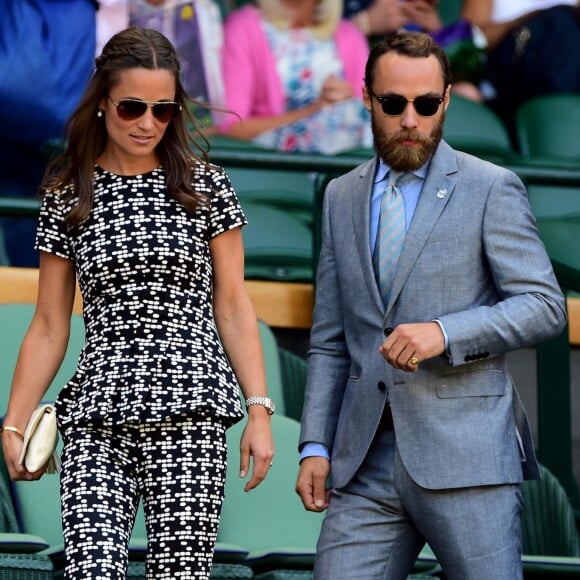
{"x":376,"y":526}
{"x":177,"y":466}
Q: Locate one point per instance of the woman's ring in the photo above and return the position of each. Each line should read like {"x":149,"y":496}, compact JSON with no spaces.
{"x":414,"y":360}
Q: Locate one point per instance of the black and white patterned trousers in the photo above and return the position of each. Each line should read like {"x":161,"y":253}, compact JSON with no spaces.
{"x":176,"y":466}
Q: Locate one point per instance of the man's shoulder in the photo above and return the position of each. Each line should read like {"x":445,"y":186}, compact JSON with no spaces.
{"x":360,"y":171}
{"x":470,"y":160}
{"x":469,"y":163}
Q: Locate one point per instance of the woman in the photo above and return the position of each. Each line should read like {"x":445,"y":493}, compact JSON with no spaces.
{"x":152,"y":233}
{"x":292,"y":72}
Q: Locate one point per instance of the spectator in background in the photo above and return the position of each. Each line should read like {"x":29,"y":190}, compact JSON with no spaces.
{"x":194,"y":27}
{"x":293,"y":75}
{"x":47,"y":49}
{"x":498,"y":19}
{"x":378,"y":17}
{"x":532,"y":49}
{"x":375,"y":18}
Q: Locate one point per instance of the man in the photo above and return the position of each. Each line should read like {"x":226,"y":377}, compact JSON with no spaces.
{"x":408,"y":390}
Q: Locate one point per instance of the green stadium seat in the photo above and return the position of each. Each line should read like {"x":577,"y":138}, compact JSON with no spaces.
{"x":290,"y":190}
{"x":14,"y":322}
{"x":549,"y":527}
{"x":273,"y":367}
{"x":277,"y":245}
{"x":293,"y":368}
{"x":547,"y":127}
{"x":474,"y":128}
{"x":554,"y":201}
{"x":298,"y":202}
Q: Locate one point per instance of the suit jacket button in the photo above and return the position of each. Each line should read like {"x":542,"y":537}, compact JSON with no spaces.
{"x":381,"y":386}
{"x":388,"y":330}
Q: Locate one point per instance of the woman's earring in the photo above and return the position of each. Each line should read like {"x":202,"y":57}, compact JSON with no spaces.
{"x":99,"y":113}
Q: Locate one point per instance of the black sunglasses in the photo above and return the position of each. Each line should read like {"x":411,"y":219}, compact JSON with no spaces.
{"x":131,"y":109}
{"x":393,"y":105}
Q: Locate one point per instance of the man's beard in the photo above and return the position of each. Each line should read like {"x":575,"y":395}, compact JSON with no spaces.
{"x":401,"y":157}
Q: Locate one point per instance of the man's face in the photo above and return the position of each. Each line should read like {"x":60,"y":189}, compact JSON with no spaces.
{"x":405,"y":141}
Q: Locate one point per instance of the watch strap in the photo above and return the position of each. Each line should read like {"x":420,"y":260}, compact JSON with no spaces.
{"x":264,"y":401}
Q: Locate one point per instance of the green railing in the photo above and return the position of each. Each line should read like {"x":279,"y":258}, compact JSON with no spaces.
{"x":19,"y":207}
{"x":553,"y":357}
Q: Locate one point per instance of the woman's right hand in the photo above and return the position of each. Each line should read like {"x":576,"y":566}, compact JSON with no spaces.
{"x":12,"y":448}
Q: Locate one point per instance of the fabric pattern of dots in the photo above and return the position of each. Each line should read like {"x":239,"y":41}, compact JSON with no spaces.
{"x":177,"y":465}
{"x":144,"y":269}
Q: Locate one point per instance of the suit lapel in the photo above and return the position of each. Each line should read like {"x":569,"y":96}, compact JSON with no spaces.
{"x":360,"y":212}
{"x":435,"y":194}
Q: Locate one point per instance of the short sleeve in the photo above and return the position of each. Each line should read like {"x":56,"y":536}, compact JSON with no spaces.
{"x":225,"y":212}
{"x":52,"y":234}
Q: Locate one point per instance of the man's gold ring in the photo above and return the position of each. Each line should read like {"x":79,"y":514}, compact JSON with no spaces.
{"x":414,"y":360}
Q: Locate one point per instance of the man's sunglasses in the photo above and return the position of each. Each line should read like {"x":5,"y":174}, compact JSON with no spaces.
{"x":131,"y":109}
{"x":393,"y":105}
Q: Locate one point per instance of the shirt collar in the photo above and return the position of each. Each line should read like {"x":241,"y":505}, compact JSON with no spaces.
{"x":383,"y":170}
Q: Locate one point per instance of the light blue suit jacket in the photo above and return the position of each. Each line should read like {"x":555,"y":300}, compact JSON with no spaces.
{"x":472,"y":258}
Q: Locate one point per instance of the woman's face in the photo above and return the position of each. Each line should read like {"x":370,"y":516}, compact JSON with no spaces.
{"x":131,"y":142}
{"x":300,"y":12}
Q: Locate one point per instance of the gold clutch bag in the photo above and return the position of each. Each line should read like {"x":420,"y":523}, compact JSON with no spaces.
{"x":40,"y":441}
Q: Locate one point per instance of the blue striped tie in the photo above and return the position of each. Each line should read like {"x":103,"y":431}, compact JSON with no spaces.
{"x":390,"y":235}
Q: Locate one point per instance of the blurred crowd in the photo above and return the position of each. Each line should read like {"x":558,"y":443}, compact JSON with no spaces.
{"x":283,"y":74}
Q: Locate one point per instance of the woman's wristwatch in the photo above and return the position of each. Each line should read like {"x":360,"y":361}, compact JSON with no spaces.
{"x":264,"y":401}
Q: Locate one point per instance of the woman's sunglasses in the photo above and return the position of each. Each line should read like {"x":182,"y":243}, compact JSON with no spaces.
{"x":131,"y":109}
{"x":393,"y":105}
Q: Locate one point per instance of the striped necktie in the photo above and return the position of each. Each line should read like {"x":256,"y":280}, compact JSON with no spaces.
{"x":390,"y":235}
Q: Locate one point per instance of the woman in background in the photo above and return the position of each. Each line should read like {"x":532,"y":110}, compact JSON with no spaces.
{"x":293,"y":73}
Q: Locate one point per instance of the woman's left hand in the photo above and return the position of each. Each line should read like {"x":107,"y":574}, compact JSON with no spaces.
{"x":256,"y":443}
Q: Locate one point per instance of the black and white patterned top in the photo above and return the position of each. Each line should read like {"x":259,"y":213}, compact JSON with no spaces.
{"x":145,"y":273}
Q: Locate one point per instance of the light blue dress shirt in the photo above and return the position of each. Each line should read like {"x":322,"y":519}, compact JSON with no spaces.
{"x":410,"y":191}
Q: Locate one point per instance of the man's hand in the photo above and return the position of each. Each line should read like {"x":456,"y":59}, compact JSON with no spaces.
{"x":311,"y":483}
{"x":410,"y":344}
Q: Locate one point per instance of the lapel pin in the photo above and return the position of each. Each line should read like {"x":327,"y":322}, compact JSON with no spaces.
{"x":441,"y":192}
